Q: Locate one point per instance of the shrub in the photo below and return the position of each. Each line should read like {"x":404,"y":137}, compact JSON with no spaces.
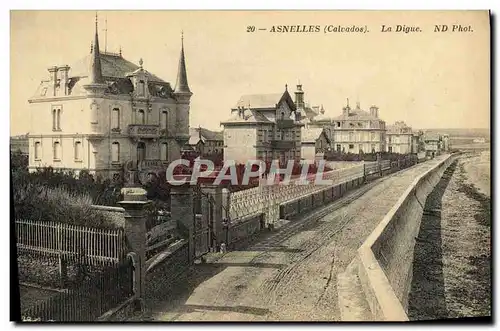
{"x":39,"y":203}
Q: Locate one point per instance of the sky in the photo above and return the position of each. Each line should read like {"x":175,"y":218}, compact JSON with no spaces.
{"x":427,"y":79}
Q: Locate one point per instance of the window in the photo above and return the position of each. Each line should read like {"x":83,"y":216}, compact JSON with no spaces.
{"x":59,"y":119}
{"x":78,"y":151}
{"x":141,"y":88}
{"x":115,"y":152}
{"x":339,"y":148}
{"x":38,"y":150}
{"x":57,"y":150}
{"x":338,"y":124}
{"x":282,"y":115}
{"x":163,"y":119}
{"x":390,"y":149}
{"x":260,"y":135}
{"x":373,"y":136}
{"x":141,"y":117}
{"x":373,"y":148}
{"x":141,"y":151}
{"x":115,"y":119}
{"x":164,"y":152}
{"x":351,"y":136}
{"x":94,"y":116}
{"x":54,"y":119}
{"x":351,"y":146}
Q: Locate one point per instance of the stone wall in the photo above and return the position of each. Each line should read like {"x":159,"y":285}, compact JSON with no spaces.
{"x":385,"y":259}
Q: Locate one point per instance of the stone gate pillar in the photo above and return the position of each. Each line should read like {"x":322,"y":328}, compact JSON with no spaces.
{"x":182,"y":209}
{"x":134,"y":201}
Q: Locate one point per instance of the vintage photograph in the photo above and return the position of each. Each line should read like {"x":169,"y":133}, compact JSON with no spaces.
{"x":280,"y":166}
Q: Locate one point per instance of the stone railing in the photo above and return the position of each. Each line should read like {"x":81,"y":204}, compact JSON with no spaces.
{"x":267,"y":198}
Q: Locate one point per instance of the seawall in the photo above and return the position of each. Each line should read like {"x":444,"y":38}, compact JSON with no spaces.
{"x":382,"y":271}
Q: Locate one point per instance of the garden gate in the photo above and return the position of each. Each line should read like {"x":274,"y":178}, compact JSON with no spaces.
{"x":203,"y":222}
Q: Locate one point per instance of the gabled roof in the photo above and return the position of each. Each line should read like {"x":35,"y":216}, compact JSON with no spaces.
{"x":194,"y":135}
{"x":310,"y":135}
{"x":248,"y":116}
{"x":264,"y":101}
{"x":211,"y":135}
{"x":310,"y":112}
{"x":399,"y":128}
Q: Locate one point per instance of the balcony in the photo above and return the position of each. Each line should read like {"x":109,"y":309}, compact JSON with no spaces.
{"x":285,"y":123}
{"x":151,"y":164}
{"x":144,"y":131}
{"x":282,"y":144}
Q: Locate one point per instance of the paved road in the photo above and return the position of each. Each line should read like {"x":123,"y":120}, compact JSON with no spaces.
{"x":288,"y":275}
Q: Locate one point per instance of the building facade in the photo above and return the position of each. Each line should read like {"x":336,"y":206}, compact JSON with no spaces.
{"x":315,"y":143}
{"x":105,"y":111}
{"x":399,"y":139}
{"x":206,"y":142}
{"x":357,"y":131}
{"x":265,"y":127}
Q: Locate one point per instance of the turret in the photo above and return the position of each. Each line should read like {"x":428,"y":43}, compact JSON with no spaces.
{"x":299,"y":97}
{"x":96,"y":83}
{"x":95,"y":74}
{"x":183,"y":95}
{"x":182,"y":86}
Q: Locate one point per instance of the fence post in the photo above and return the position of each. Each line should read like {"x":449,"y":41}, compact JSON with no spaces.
{"x":379,"y":164}
{"x":182,"y":209}
{"x":134,"y":201}
{"x":225,"y":203}
{"x":364,"y":172}
{"x":63,"y":270}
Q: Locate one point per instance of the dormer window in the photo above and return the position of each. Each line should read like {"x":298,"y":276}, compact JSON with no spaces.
{"x":44,"y":92}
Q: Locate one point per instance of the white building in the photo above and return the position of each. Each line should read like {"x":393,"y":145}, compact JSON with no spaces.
{"x":358,"y":131}
{"x":265,"y":127}
{"x":104,"y":111}
{"x":399,"y":138}
{"x":315,"y":143}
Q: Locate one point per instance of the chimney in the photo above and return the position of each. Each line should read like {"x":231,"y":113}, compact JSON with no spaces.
{"x":346,"y":110}
{"x":374,"y":111}
{"x":53,"y":79}
{"x":64,"y":70}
